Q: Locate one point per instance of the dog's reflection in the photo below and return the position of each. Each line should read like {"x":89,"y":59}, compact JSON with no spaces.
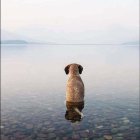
{"x":74,"y":111}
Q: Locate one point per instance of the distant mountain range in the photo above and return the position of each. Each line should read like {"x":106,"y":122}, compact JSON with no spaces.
{"x":11,"y":38}
{"x":27,"y":42}
{"x":18,"y":42}
{"x":14,"y":42}
{"x":131,"y":43}
{"x":22,"y":42}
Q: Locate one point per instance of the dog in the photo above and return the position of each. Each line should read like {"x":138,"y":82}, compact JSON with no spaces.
{"x":74,"y":93}
{"x":75,"y":85}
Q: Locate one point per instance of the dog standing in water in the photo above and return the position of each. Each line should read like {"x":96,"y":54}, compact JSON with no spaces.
{"x":74,"y":92}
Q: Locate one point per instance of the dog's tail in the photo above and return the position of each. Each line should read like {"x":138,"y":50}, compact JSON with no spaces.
{"x":80,"y":113}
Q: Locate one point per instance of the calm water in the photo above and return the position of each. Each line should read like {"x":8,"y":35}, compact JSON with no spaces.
{"x":33,"y":92}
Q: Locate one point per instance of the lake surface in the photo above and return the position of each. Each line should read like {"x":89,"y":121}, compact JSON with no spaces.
{"x":33,"y":92}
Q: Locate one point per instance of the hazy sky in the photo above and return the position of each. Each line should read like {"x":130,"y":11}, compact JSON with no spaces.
{"x":83,"y":21}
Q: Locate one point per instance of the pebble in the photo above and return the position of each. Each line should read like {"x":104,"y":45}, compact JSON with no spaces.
{"x":39,"y":126}
{"x":107,"y":137}
{"x":99,"y":127}
{"x":51,"y":135}
{"x":65,"y":138}
{"x":83,"y":134}
{"x":57,"y":138}
{"x":76,"y":136}
{"x":101,"y":139}
{"x":87,"y":131}
{"x":124,"y":118}
{"x":51,"y":129}
{"x":50,"y":109}
{"x":119,"y":134}
{"x":4,"y":137}
{"x":28,"y":138}
{"x":126,"y":121}
{"x":46,"y":126}
{"x":122,"y":128}
{"x":29,"y":126}
{"x":114,"y":130}
{"x":40,"y":138}
{"x":43,"y":129}
{"x":42,"y":135}
{"x":46,"y":123}
{"x":1,"y":126}
{"x":119,"y":138}
{"x":133,"y":138}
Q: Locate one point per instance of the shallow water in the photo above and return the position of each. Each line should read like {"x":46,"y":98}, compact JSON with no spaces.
{"x":33,"y":92}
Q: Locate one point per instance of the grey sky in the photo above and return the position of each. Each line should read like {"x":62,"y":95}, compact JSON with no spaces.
{"x":84,"y":21}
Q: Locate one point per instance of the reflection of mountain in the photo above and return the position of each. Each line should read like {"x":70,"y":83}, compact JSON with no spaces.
{"x":14,"y":42}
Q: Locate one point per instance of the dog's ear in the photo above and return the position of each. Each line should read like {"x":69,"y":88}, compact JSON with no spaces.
{"x":80,"y":69}
{"x":67,"y":69}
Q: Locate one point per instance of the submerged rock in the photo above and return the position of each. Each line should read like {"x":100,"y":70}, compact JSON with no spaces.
{"x":65,"y":138}
{"x":42,"y":135}
{"x":119,"y":134}
{"x":4,"y":137}
{"x":122,"y":128}
{"x":29,"y":126}
{"x":119,"y":138}
{"x":108,"y":137}
{"x":99,"y":127}
{"x":126,"y":121}
{"x":84,"y":134}
{"x":114,"y":130}
{"x":51,"y":129}
{"x":52,"y":135}
{"x":1,"y":126}
{"x":76,"y":136}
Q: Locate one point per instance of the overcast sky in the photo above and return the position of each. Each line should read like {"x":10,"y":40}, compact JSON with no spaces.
{"x":80,"y":21}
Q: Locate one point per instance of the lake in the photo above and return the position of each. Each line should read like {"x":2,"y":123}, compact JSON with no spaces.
{"x":33,"y":89}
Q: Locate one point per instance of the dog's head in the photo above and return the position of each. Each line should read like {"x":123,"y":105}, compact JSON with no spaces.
{"x":73,"y":69}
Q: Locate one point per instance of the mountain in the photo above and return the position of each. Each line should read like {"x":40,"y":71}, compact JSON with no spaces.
{"x":131,"y":43}
{"x":13,"y":38}
{"x":6,"y":35}
{"x":14,"y":42}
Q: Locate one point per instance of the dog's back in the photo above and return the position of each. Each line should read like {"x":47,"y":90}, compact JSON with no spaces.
{"x":75,"y":86}
{"x":75,"y":89}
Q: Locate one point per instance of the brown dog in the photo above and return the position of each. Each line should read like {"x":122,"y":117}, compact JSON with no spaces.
{"x":75,"y":86}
